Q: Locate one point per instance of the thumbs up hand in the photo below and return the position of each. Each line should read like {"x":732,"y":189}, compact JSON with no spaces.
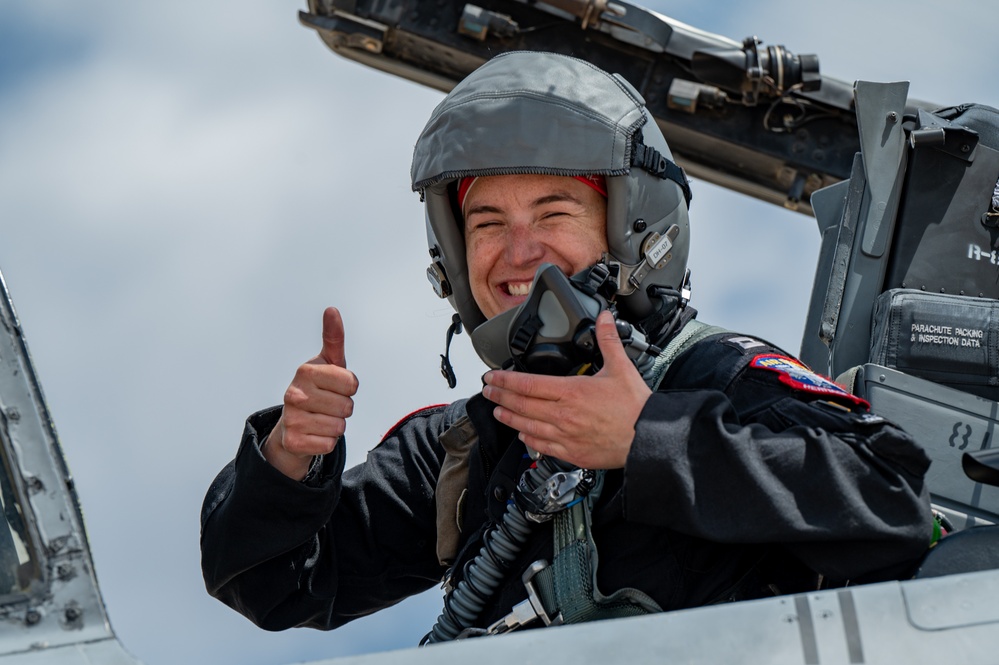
{"x":316,"y":405}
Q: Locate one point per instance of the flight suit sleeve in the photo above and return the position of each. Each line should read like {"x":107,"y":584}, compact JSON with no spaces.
{"x":341,"y":544}
{"x":762,"y":463}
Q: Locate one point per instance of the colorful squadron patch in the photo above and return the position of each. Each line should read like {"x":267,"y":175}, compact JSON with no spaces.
{"x":795,"y":374}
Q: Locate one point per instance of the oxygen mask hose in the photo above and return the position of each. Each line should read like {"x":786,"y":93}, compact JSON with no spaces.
{"x":545,"y":489}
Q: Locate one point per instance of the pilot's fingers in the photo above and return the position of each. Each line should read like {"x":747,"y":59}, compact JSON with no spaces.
{"x":331,"y":378}
{"x":524,"y":406}
{"x":537,"y":386}
{"x":333,"y":338}
{"x":553,"y":449}
{"x":309,"y":434}
{"x":525,"y":421}
{"x":291,"y":449}
{"x":318,"y":401}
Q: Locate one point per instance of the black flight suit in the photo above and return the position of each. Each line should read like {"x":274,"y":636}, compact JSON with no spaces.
{"x":746,"y":477}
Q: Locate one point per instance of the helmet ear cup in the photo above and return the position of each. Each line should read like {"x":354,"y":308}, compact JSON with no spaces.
{"x":641,"y":205}
{"x":444,"y":232}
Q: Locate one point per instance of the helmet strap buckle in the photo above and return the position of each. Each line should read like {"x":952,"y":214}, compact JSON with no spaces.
{"x":649,"y":159}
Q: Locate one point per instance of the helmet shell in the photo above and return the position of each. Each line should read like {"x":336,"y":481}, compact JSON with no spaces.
{"x":545,"y":113}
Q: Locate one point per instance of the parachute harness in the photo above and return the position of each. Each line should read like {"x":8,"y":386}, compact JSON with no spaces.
{"x":565,"y":591}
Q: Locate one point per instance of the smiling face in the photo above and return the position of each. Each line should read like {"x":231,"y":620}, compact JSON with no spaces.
{"x":514,"y":223}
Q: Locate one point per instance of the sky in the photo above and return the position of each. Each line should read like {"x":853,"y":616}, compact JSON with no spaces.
{"x":185,"y":187}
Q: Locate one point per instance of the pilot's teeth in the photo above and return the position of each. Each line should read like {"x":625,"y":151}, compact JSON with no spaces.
{"x":518,"y":289}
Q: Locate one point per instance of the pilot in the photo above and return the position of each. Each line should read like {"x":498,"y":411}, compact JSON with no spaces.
{"x":686,"y":465}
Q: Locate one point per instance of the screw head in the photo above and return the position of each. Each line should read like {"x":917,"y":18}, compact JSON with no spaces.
{"x":639,"y":225}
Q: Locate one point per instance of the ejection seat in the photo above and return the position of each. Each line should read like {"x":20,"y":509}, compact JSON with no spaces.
{"x":968,"y":550}
{"x":905,"y":304}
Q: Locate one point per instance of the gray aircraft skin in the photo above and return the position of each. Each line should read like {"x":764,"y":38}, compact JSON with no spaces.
{"x":51,"y":609}
{"x":865,"y":192}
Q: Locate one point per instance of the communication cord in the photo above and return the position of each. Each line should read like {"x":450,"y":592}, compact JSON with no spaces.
{"x":501,"y":545}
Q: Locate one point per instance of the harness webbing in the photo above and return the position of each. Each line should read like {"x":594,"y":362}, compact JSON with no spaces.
{"x":568,"y":587}
{"x":691,"y":334}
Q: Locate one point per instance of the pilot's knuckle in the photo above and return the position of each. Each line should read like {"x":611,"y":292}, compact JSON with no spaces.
{"x":352,"y":384}
{"x":291,"y":417}
{"x":292,"y":441}
{"x":295,"y":397}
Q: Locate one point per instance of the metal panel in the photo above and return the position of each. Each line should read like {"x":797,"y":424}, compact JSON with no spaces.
{"x":829,"y":205}
{"x":948,"y":602}
{"x":947,"y":423}
{"x":952,"y":619}
{"x":62,"y":605}
{"x":879,"y":107}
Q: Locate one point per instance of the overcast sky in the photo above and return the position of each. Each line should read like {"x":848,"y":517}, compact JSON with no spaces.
{"x":185,"y":186}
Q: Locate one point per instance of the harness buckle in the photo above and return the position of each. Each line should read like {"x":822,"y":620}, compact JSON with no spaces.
{"x":532,"y":593}
{"x":560,"y":491}
{"x":529,"y":610}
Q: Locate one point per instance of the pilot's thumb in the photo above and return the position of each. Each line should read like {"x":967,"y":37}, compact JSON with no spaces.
{"x":333,"y":338}
{"x":609,"y":341}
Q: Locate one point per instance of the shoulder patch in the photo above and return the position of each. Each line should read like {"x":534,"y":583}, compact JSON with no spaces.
{"x":797,"y":375}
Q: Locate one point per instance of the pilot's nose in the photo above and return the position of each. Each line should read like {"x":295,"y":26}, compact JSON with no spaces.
{"x":524,"y":247}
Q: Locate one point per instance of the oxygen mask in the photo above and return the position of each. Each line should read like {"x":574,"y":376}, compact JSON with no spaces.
{"x":553,"y":331}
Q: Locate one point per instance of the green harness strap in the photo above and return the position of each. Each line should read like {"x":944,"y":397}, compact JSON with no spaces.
{"x":568,"y":587}
{"x":691,"y":334}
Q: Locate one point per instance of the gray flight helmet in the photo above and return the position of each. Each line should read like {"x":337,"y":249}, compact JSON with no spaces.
{"x":532,"y":112}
